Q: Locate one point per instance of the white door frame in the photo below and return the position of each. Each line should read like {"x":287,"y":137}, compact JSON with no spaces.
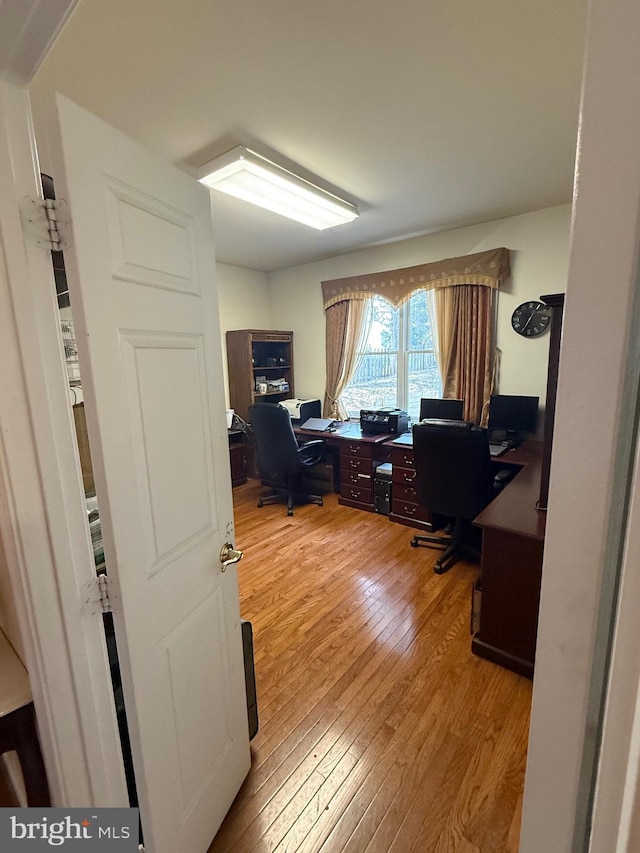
{"x":616,"y":813}
{"x":593,"y":450}
{"x":42,"y":514}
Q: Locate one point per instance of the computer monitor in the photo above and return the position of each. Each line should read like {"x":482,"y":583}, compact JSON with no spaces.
{"x":450,"y":410}
{"x":513,"y":413}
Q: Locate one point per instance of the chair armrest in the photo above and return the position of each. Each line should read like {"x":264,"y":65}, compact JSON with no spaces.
{"x":501,"y":479}
{"x":311,"y":452}
{"x":316,"y":442}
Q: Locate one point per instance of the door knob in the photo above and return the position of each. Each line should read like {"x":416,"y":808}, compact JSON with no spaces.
{"x":228,"y":555}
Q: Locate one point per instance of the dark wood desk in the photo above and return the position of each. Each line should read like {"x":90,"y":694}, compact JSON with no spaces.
{"x":511,"y":568}
{"x":355,"y":458}
{"x":237,"y":456}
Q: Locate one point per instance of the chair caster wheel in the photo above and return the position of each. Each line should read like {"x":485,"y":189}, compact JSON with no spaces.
{"x":438,"y":569}
{"x":413,"y":543}
{"x":321,"y":503}
{"x":260,"y":504}
{"x":289,"y":512}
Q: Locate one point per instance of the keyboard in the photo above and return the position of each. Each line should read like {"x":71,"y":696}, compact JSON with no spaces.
{"x":498,"y":449}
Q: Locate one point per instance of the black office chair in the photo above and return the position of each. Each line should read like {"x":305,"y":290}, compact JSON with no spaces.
{"x":281,"y":459}
{"x":455,"y":479}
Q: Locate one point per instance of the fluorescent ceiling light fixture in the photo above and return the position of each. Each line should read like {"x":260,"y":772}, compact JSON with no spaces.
{"x":246,"y":175}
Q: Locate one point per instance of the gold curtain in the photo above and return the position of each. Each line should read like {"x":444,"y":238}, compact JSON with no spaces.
{"x":346,"y":328}
{"x":466,"y":349}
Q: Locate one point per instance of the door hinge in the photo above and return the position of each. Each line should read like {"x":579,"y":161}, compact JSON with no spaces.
{"x":100,"y":595}
{"x":46,"y":222}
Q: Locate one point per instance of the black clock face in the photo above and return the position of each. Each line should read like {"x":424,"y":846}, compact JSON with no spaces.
{"x":531,"y":319}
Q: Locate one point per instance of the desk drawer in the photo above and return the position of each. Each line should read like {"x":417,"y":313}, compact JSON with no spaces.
{"x":356,"y":478}
{"x":410,"y":511}
{"x":404,"y":476}
{"x":360,"y":494}
{"x":356,"y":448}
{"x":354,"y":464}
{"x":407,"y":494}
{"x":402,"y":458}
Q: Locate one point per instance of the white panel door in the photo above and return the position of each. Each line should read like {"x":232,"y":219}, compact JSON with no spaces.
{"x":141,"y":276}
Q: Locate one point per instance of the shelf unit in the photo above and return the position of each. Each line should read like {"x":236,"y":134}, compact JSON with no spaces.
{"x":255,"y":355}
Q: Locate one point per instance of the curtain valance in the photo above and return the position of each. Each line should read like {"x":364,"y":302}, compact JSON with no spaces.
{"x":488,"y":268}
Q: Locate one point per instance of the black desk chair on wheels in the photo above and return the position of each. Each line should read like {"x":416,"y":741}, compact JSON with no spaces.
{"x":282,"y":461}
{"x":454,"y":478}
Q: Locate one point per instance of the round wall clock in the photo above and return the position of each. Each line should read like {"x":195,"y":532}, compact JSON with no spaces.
{"x":531,"y":319}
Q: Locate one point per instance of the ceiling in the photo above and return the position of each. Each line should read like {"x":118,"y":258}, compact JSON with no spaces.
{"x":427,"y":114}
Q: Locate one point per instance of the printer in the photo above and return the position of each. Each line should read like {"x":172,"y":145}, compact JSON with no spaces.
{"x":377,"y":421}
{"x":302,"y":410}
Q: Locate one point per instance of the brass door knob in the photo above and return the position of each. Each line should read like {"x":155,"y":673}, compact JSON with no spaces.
{"x":228,"y":555}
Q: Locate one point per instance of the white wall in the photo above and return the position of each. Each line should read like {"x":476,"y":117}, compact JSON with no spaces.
{"x":539,"y":245}
{"x":244,"y":304}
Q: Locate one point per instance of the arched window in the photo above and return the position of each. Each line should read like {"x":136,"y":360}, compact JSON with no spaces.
{"x":397,"y":364}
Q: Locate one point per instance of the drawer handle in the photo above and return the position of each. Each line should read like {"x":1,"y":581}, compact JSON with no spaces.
{"x":353,"y":463}
{"x":355,"y":494}
{"x":410,"y":510}
{"x":353,"y":450}
{"x":408,"y":478}
{"x":408,"y":460}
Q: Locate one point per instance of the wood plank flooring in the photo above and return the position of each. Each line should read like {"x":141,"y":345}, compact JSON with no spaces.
{"x":379,"y":730}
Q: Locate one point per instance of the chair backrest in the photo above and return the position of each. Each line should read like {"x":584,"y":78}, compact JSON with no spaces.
{"x":436,"y":407}
{"x":454,"y":474}
{"x":276,"y":444}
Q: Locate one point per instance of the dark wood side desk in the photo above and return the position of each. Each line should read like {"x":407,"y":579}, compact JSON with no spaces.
{"x":511,"y":568}
{"x":237,"y":456}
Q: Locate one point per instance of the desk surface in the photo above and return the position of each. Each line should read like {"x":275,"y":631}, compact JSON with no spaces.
{"x":347,"y":431}
{"x":514,"y":509}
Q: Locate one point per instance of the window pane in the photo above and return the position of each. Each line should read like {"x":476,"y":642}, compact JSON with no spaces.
{"x":385,"y":325}
{"x":374,"y":384}
{"x":424,"y":380}
{"x":420,"y":334}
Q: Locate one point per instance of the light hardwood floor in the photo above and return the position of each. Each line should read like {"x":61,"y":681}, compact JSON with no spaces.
{"x":379,"y":730}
